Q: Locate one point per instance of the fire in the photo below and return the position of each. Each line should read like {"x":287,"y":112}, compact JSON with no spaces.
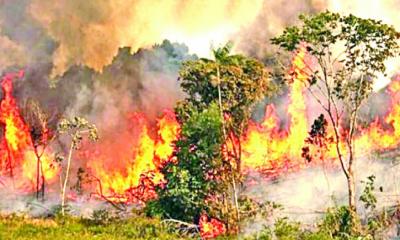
{"x":140,"y":168}
{"x":16,"y":132}
{"x":265,"y":145}
{"x":16,"y":147}
{"x":210,"y":228}
{"x":49,"y":170}
{"x":375,"y":137}
{"x":125,"y":165}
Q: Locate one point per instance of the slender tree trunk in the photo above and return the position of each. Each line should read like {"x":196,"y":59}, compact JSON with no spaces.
{"x":352,"y":191}
{"x":43,"y":181}
{"x":235,"y":198}
{"x":351,"y":185}
{"x":66,"y":179}
{"x":37,"y":175}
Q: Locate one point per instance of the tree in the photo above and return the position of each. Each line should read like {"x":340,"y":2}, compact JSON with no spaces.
{"x":233,"y":83}
{"x":191,"y":179}
{"x":345,"y":55}
{"x":41,"y":135}
{"x":75,"y":128}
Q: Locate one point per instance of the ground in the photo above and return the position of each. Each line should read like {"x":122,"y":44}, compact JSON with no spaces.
{"x":19,"y":227}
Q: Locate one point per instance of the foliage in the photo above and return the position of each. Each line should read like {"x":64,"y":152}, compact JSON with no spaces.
{"x":193,"y":177}
{"x":375,"y":220}
{"x":368,"y":43}
{"x":75,"y":128}
{"x":287,"y":230}
{"x":243,"y":81}
{"x":219,"y":96}
{"x":101,"y":217}
{"x":317,"y":137}
{"x":338,"y":223}
{"x":284,"y":229}
{"x":368,"y":196}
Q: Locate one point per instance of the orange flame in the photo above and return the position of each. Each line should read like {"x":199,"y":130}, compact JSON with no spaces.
{"x":16,"y":147}
{"x":267,"y":147}
{"x":120,"y":182}
{"x":264,"y":145}
{"x":210,"y":228}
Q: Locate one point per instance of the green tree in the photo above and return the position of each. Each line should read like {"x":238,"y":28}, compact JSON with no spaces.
{"x":346,"y":54}
{"x":232,"y":84}
{"x":191,"y":179}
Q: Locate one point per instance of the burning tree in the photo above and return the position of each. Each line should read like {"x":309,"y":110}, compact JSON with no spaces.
{"x":209,"y":150}
{"x":340,"y":57}
{"x":41,"y":137}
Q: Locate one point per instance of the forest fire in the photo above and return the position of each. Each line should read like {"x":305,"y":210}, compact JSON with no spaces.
{"x":134,"y":175}
{"x":129,"y":174}
{"x":207,"y":119}
{"x":17,"y":156}
{"x":267,"y":147}
{"x":210,"y":228}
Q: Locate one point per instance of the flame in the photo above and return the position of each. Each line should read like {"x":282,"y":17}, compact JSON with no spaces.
{"x":49,"y":170}
{"x":264,"y":145}
{"x":16,"y":132}
{"x":125,"y":166}
{"x":119,"y":182}
{"x":210,"y":228}
{"x":16,"y":147}
{"x":376,"y":137}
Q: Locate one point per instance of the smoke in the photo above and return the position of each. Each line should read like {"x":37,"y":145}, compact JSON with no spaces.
{"x":12,"y":54}
{"x":94,"y":52}
{"x":145,"y":81}
{"x":385,"y":10}
{"x":18,"y":26}
{"x":305,"y":195}
{"x":15,"y":202}
{"x":254,"y":39}
{"x":91,"y":32}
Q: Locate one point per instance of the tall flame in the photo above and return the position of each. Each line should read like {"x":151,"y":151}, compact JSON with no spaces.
{"x":264,"y":145}
{"x":17,"y":156}
{"x":268,"y":147}
{"x":120,"y":182}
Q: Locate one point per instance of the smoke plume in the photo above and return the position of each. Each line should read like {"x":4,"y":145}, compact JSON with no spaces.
{"x":91,"y":32}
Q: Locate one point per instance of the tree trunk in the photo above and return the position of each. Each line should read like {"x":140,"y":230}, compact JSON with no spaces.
{"x":352,"y":191}
{"x":64,"y":188}
{"x":37,"y":175}
{"x":351,"y":185}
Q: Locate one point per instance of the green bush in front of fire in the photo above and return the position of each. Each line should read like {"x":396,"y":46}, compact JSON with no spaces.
{"x":206,"y":177}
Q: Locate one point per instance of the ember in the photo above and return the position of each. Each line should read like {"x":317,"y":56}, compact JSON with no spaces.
{"x":210,"y":228}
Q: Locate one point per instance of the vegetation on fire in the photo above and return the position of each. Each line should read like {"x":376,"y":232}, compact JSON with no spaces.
{"x":346,"y":54}
{"x":204,"y":175}
{"x":75,"y":128}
